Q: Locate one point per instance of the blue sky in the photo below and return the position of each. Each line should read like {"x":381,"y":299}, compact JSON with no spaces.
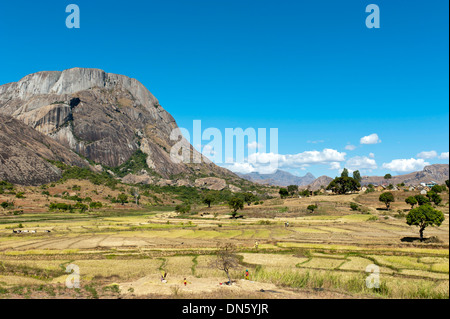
{"x":312,"y":69}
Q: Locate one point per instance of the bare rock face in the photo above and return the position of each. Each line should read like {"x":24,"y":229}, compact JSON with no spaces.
{"x":322,"y":181}
{"x":235,"y":189}
{"x":137,"y":179}
{"x":24,"y":154}
{"x":103,"y":116}
{"x":211,"y":183}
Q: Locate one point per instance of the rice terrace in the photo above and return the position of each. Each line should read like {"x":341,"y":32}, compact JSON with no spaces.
{"x":122,"y":250}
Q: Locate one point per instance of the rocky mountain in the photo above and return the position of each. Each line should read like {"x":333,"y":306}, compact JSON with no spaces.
{"x":24,"y":154}
{"x":102,"y":116}
{"x":279,"y":178}
{"x":322,"y":181}
{"x":438,"y":173}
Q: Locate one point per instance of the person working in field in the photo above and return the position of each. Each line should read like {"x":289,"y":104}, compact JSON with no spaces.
{"x":247,"y":275}
{"x":163,"y":278}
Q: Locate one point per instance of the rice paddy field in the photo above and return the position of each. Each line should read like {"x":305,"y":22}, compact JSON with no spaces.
{"x":121,"y":251}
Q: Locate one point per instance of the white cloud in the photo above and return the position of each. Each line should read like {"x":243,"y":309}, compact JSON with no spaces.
{"x":444,"y":155}
{"x":371,"y":155}
{"x":350,"y":147}
{"x":270,"y":162}
{"x":427,"y":155}
{"x":254,"y":145}
{"x":316,"y":142}
{"x":243,"y":168}
{"x":406,"y":165}
{"x":370,"y":139}
{"x":361,"y":163}
{"x":335,"y":165}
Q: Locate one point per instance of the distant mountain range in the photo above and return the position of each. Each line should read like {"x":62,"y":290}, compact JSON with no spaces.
{"x":438,"y":173}
{"x":279,"y":178}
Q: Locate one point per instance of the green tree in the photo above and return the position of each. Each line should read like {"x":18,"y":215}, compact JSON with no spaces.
{"x":447,"y":182}
{"x":437,"y":189}
{"x":236,"y":203}
{"x":81,"y":207}
{"x":283,"y":192}
{"x":249,"y":198}
{"x":387,"y":176}
{"x":357,"y":176}
{"x":343,"y":185}
{"x":122,"y":198}
{"x":312,"y":208}
{"x":411,"y":200}
{"x":387,"y":198}
{"x":305,"y":193}
{"x":344,"y":172}
{"x":292,"y":189}
{"x":424,"y":216}
{"x":183,"y":208}
{"x":421,"y":200}
{"x":434,"y":197}
{"x":209,"y":199}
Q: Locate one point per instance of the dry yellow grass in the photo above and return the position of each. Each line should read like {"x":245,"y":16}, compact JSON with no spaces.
{"x":273,"y":260}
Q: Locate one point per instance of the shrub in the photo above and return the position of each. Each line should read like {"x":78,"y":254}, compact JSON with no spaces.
{"x":95,"y":205}
{"x":354,"y":206}
{"x":20,"y":195}
{"x":312,"y":208}
{"x":183,"y":208}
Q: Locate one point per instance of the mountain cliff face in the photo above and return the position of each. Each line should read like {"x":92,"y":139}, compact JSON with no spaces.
{"x":102,"y":116}
{"x":24,"y":154}
{"x":279,"y":178}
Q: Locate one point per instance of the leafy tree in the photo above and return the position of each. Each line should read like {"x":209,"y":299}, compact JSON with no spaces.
{"x":95,"y":205}
{"x":305,"y":193}
{"x":387,"y":198}
{"x":343,"y":185}
{"x":82,"y":207}
{"x":387,"y":176}
{"x":424,"y":216}
{"x":421,"y":200}
{"x":249,"y":198}
{"x":283,"y":192}
{"x":411,"y":200}
{"x":437,"y":189}
{"x":183,"y":208}
{"x":434,"y":197}
{"x":390,"y":186}
{"x":292,"y":189}
{"x":236,"y":203}
{"x":357,"y":176}
{"x":354,"y":206}
{"x":344,"y":173}
{"x":209,"y":199}
{"x":312,"y":208}
{"x":122,"y":198}
{"x":447,"y":182}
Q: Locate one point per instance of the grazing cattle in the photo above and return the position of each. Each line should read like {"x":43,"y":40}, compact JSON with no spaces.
{"x":47,"y":231}
{"x":17,"y":231}
{"x":25,"y":231}
{"x":32,"y":231}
